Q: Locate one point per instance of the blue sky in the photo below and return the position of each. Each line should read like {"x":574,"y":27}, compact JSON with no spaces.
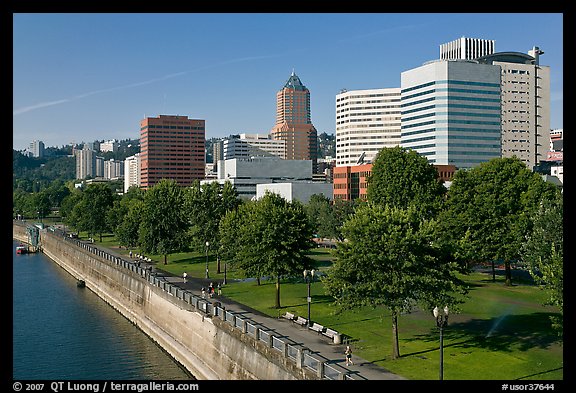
{"x":80,"y":77}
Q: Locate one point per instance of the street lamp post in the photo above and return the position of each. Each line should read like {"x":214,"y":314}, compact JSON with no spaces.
{"x":441,"y":322}
{"x":207,"y":244}
{"x":309,"y":276}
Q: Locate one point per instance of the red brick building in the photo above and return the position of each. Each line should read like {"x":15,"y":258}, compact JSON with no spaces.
{"x":172,"y":147}
{"x":351,"y":182}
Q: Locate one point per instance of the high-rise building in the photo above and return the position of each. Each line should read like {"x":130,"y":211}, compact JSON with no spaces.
{"x":36,"y":149}
{"x":451,"y":112}
{"x":466,"y":49}
{"x":525,"y":86}
{"x":172,"y":147}
{"x":293,"y":122}
{"x":85,"y":163}
{"x":217,"y":153}
{"x":366,"y":121}
{"x":131,"y":171}
{"x":113,"y":169}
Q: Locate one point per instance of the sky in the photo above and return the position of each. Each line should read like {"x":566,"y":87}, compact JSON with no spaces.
{"x":81,"y":77}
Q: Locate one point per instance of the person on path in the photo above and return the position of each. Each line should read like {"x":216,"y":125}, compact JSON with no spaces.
{"x":348,"y":353}
{"x":184,"y":275}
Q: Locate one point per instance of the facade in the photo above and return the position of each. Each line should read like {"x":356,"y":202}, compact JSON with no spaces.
{"x":351,"y":182}
{"x":451,"y":112}
{"x":111,"y":145}
{"x":171,"y":147}
{"x":85,"y":163}
{"x":113,"y":169}
{"x":131,"y":171}
{"x":295,"y":191}
{"x":366,"y":121}
{"x":293,"y":122}
{"x":217,"y":153}
{"x":466,"y":49}
{"x":246,"y":173}
{"x":36,"y":149}
{"x":253,"y":145}
{"x":525,"y":86}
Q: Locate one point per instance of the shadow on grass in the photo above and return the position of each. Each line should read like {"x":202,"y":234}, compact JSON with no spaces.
{"x":507,"y":333}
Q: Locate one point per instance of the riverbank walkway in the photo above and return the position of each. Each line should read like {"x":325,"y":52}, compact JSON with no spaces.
{"x":320,"y":345}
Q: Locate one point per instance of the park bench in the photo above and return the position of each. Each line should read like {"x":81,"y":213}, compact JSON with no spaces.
{"x":330,"y":333}
{"x":289,"y":316}
{"x":301,"y":321}
{"x":317,"y":328}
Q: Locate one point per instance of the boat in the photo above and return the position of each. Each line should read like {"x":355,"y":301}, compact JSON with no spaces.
{"x":21,"y":249}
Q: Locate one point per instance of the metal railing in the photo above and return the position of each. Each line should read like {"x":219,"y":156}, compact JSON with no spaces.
{"x":296,"y":353}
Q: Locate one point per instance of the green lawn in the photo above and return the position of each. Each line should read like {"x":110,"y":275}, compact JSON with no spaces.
{"x":500,"y":333}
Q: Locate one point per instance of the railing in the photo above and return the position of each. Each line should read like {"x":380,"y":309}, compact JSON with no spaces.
{"x":296,"y":353}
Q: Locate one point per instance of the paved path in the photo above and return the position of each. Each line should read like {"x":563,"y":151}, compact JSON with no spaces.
{"x":320,"y":345}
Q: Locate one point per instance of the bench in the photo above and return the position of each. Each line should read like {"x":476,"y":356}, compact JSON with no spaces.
{"x":289,"y":316}
{"x":301,"y":321}
{"x":317,"y":328}
{"x":330,"y":333}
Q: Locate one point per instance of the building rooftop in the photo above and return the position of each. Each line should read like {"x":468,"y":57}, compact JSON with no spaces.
{"x":294,"y":83}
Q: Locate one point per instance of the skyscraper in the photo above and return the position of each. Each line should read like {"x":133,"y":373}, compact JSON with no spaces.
{"x":293,"y":122}
{"x":451,"y":112}
{"x":171,"y":147}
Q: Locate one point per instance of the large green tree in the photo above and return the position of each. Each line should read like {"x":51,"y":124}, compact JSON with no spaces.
{"x":89,"y":214}
{"x":488,"y":210}
{"x":544,"y":253}
{"x":163,"y":225}
{"x":401,"y":177}
{"x":390,"y":259}
{"x":205,"y":206}
{"x":269,"y":237}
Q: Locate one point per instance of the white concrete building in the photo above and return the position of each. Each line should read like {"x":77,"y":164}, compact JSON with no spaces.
{"x":466,"y":49}
{"x":131,"y":171}
{"x":113,"y":169}
{"x":246,"y":173}
{"x":252,"y":145}
{"x":85,"y":163}
{"x":525,"y":86}
{"x":366,"y":122}
{"x":300,"y":191}
{"x":111,"y":145}
{"x":36,"y":149}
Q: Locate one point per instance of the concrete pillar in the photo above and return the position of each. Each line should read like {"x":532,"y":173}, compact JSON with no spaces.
{"x":257,"y":333}
{"x":244,"y":327}
{"x":270,"y":342}
{"x":299,"y":358}
{"x":320,"y":371}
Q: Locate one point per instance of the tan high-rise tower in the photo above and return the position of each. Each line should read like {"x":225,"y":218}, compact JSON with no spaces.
{"x":293,"y":123}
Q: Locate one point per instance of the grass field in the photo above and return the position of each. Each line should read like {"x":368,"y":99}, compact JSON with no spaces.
{"x":500,"y":332}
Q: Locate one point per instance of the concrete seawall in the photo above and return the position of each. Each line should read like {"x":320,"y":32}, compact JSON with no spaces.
{"x":207,"y":346}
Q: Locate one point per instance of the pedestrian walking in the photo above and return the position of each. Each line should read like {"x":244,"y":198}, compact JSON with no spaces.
{"x":203,"y":293}
{"x":130,"y":254}
{"x":219,"y":289}
{"x":348,"y":353}
{"x":184,"y":275}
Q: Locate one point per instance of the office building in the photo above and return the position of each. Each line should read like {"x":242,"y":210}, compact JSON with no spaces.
{"x":217,"y":153}
{"x":113,"y":169}
{"x":171,"y":147}
{"x":111,"y":145}
{"x":293,"y":121}
{"x":252,"y":145}
{"x":295,"y":191}
{"x":245,"y":173}
{"x":525,"y":87}
{"x":451,"y":112}
{"x":366,"y":121}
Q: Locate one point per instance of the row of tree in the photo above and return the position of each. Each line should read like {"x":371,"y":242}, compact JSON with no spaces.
{"x":404,"y":247}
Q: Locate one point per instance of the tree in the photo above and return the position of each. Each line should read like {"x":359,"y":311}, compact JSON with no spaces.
{"x":163,"y":223}
{"x":91,"y":210}
{"x":205,"y":206}
{"x":127,"y":231}
{"x":544,"y":253}
{"x":490,"y":205}
{"x":401,"y":177}
{"x":390,"y":259}
{"x":269,"y":237}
